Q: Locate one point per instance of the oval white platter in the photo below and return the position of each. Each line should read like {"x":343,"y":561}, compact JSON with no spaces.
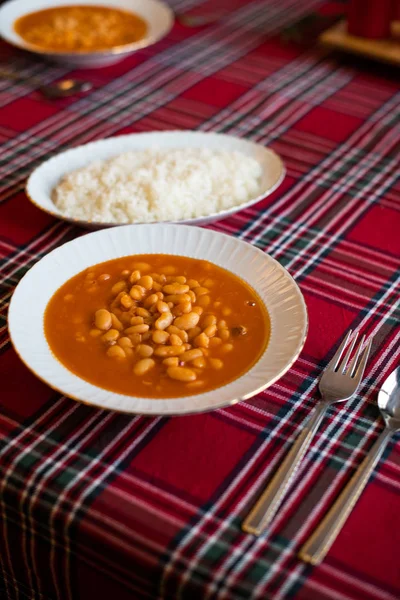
{"x":45,"y":177}
{"x":277,"y":289}
{"x":157,"y":14}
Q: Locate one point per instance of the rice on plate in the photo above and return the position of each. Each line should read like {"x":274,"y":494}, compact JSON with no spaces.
{"x":159,"y":185}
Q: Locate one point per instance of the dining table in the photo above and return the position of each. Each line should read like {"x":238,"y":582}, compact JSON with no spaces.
{"x":101,"y":504}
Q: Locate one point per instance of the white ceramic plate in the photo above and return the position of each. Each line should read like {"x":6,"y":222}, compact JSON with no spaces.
{"x":271,"y":281}
{"x":158,"y":16}
{"x":43,"y":179}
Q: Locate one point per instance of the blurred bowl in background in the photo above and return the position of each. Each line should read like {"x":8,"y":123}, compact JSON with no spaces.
{"x":158,"y":16}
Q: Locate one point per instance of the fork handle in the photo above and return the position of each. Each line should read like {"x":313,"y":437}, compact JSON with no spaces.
{"x":270,"y":500}
{"x":317,"y":546}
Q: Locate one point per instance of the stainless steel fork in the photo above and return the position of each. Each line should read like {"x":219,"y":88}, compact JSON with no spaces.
{"x":338,"y":383}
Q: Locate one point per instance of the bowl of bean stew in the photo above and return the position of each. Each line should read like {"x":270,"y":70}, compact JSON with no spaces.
{"x":158,"y":319}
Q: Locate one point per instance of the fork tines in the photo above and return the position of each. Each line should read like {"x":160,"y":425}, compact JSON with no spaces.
{"x":354,"y":368}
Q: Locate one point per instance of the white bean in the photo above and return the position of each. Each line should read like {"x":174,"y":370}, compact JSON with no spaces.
{"x":187,"y":322}
{"x":160,"y":337}
{"x":102,"y":319}
{"x":116,"y":352}
{"x":216,"y":363}
{"x":137,"y":329}
{"x":143,"y":365}
{"x":110,"y":336}
{"x":175,"y":288}
{"x":118,"y":287}
{"x":181,"y":374}
{"x":144,"y":350}
{"x":164,"y":320}
{"x":166,"y":351}
{"x":191,"y":354}
{"x":201,"y":341}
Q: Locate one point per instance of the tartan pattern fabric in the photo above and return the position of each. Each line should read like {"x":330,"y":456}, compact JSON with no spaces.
{"x":97,"y":504}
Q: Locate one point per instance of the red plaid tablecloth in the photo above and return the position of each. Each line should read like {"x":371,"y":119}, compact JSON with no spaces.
{"x":101,"y":505}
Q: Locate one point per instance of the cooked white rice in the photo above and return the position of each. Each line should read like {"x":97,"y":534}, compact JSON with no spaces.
{"x":158,"y":185}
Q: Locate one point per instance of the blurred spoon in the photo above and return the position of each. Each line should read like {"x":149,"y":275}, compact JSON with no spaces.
{"x":65,"y":87}
{"x":60,"y":89}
